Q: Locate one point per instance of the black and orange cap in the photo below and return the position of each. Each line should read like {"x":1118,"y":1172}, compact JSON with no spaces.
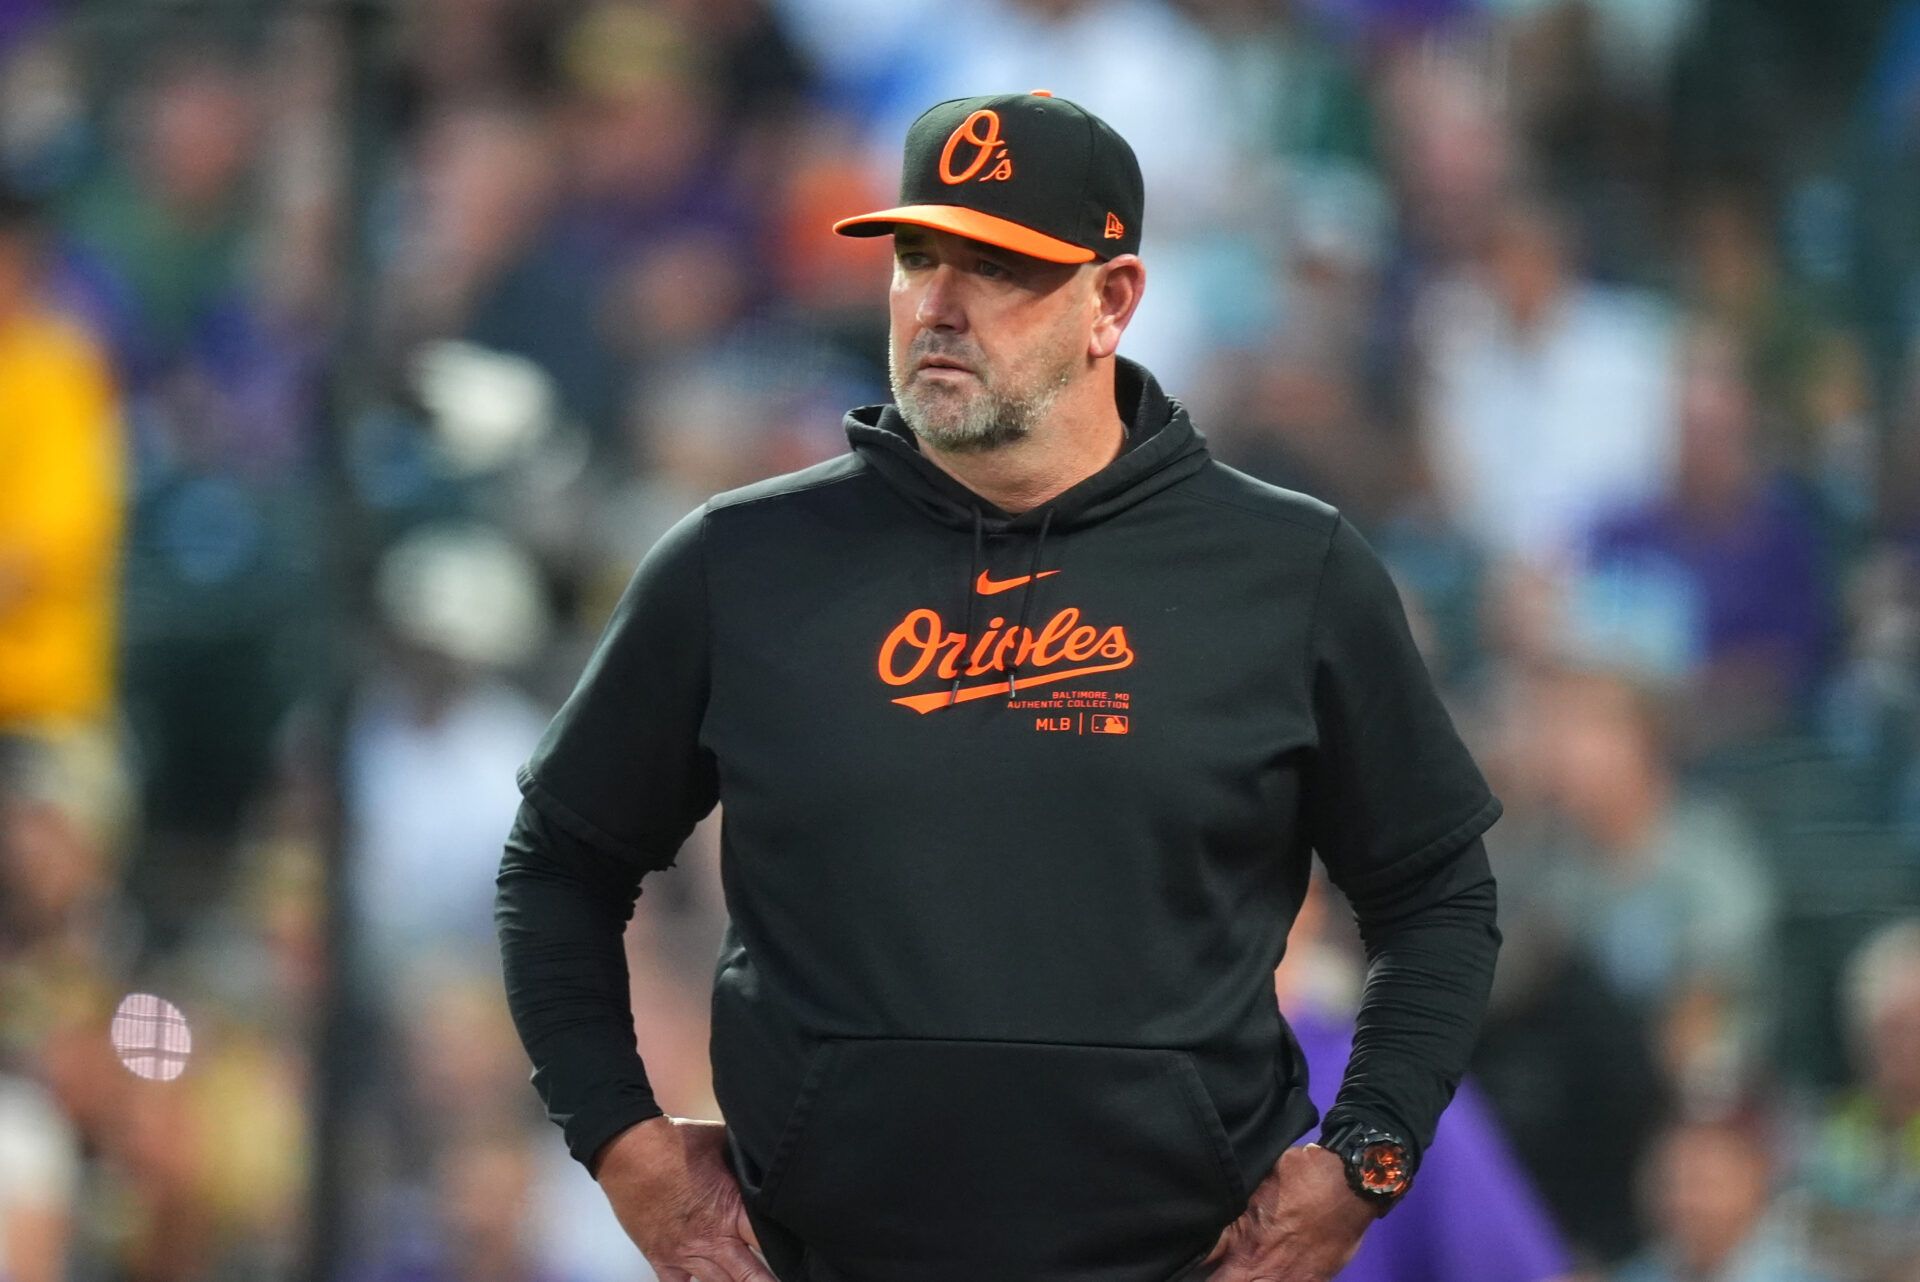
{"x":1029,"y":172}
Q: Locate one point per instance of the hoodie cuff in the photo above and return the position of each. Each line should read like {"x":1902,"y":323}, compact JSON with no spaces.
{"x":588,"y":1132}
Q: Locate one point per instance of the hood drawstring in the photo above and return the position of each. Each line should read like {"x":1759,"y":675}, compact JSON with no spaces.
{"x":1026,"y":604}
{"x":966,"y":629}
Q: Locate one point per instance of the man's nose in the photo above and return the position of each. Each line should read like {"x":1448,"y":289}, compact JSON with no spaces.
{"x":940,"y":301}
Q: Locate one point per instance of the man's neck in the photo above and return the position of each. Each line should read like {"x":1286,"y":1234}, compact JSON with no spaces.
{"x":1082,"y":435}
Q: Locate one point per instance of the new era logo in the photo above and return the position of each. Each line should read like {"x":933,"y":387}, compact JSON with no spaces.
{"x":1115,"y":230}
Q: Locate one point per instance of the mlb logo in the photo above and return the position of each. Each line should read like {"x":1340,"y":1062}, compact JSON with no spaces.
{"x":1106,"y":723}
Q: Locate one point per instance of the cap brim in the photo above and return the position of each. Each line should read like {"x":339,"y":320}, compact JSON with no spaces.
{"x":970,"y":223}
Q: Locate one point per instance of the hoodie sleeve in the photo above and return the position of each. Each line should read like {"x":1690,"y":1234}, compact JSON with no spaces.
{"x":1391,"y":790}
{"x":615,"y":785}
{"x":1395,"y":806}
{"x":621,"y":767}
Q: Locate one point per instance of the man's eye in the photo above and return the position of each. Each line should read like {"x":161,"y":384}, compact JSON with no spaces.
{"x":911,"y":258}
{"x":987,"y":267}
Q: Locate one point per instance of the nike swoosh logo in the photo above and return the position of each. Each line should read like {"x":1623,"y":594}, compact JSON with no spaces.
{"x":935,"y":700}
{"x":987,"y":587}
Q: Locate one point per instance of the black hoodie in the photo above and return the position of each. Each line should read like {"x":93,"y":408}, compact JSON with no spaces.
{"x":1018,"y":810}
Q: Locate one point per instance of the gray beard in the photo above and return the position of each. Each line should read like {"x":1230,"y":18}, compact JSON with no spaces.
{"x":955,"y":423}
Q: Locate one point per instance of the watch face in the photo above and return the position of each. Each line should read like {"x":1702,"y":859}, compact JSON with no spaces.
{"x":1383,"y":1168}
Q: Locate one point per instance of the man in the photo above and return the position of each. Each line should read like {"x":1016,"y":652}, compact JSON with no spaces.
{"x":1025,"y":714}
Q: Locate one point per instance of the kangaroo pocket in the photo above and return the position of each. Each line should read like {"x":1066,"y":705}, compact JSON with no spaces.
{"x":924,"y":1158}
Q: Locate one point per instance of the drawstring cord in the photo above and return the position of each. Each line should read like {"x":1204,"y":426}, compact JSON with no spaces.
{"x":966,"y":629}
{"x":1026,"y":604}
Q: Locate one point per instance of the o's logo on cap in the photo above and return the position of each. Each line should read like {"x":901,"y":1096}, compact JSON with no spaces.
{"x":986,"y":147}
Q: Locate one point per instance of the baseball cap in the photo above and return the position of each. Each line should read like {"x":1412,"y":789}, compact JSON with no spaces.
{"x":1028,"y":172}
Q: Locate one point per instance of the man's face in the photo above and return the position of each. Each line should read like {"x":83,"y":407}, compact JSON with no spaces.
{"x":1005,"y":335}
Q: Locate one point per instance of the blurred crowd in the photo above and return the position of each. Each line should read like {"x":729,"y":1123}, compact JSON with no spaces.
{"x":347,"y":370}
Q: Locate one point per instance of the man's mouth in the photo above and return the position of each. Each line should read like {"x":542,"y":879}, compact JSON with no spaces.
{"x":943,"y":362}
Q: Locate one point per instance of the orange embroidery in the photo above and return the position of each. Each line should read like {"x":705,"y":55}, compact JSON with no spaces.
{"x":920,"y":643}
{"x":931,"y":702}
{"x":987,"y":587}
{"x":1114,"y":228}
{"x":986,"y":147}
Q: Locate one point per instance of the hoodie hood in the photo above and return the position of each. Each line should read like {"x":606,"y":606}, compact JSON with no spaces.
{"x":1163,"y":447}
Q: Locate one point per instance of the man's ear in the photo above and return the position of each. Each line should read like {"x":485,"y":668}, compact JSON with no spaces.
{"x":1117,"y":286}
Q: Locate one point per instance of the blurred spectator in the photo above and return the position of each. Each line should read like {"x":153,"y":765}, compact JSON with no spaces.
{"x":60,"y":499}
{"x":476,"y":1226}
{"x":162,"y":225}
{"x":741,"y":411}
{"x":158,"y":1152}
{"x":449,"y":1092}
{"x":450,"y":48}
{"x":1660,"y":882}
{"x":166,"y":238}
{"x":1708,"y":1193}
{"x":39,"y":1183}
{"x":1871,"y":712}
{"x":434,"y":742}
{"x":1732,"y":266}
{"x":1551,"y":396}
{"x":1450,"y":154}
{"x":1300,"y":422}
{"x":647,"y":169}
{"x":1859,"y":1177}
{"x":479,"y":178}
{"x":65,"y":818}
{"x":1451,"y":149}
{"x":833,"y":285}
{"x":242,"y":1156}
{"x":1731,"y":548}
{"x":454,"y":1072}
{"x":1566,"y":1065}
{"x":758,"y":71}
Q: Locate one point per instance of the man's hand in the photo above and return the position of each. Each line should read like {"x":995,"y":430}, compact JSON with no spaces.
{"x":670,"y":1185}
{"x":1302,"y":1224}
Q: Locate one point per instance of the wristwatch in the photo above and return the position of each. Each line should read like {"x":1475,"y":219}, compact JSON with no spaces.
{"x":1379,"y":1163}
